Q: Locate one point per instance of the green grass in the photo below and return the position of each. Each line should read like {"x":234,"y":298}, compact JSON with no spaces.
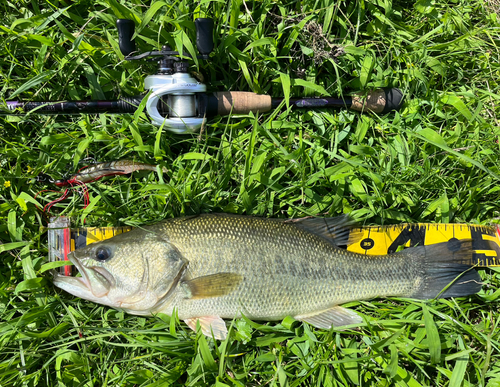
{"x":437,"y":160}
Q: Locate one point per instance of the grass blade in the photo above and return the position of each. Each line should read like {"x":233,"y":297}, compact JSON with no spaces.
{"x":432,"y":333}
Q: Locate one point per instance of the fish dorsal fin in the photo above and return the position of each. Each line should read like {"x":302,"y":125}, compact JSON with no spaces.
{"x":333,"y":317}
{"x":209,"y":325}
{"x":213,"y":285}
{"x":337,"y":230}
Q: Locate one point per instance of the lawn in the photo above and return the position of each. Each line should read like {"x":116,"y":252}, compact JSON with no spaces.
{"x":436,"y":160}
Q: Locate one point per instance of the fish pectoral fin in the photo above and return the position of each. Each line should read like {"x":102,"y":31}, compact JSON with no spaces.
{"x":333,"y":317}
{"x":209,"y":325}
{"x":214,"y":285}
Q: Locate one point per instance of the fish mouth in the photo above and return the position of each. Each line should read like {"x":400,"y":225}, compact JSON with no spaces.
{"x":79,"y":267}
{"x":83,"y":287}
{"x":82,"y":283}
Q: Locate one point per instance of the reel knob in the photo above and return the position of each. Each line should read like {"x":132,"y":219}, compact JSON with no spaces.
{"x":126,"y":29}
{"x":204,"y":36}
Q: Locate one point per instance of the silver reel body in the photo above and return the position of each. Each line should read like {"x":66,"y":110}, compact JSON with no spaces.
{"x":172,"y":89}
{"x":178,"y":91}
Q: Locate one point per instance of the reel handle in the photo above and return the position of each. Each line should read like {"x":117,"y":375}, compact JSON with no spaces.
{"x":126,"y":29}
{"x":204,"y":36}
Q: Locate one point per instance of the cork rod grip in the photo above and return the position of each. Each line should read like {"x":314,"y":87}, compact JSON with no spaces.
{"x":378,"y":101}
{"x":241,"y":102}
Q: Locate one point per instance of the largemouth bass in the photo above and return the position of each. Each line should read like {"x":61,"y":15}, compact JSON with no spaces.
{"x":211,"y":267}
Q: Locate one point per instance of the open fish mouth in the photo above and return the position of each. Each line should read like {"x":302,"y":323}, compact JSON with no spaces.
{"x":93,"y":289}
{"x":82,"y":282}
{"x":84,"y":277}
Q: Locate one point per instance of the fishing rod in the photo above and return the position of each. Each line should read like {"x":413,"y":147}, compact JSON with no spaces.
{"x":180,"y":103}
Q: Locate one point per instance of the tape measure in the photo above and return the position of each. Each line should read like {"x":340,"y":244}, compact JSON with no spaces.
{"x":63,"y":239}
{"x":81,"y":237}
{"x":371,"y":240}
{"x":381,"y":240}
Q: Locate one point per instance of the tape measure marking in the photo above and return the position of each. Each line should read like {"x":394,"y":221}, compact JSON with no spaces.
{"x":381,"y":240}
{"x":85,"y":236}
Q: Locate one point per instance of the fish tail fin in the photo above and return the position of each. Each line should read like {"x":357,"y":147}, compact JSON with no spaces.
{"x":446,"y":270}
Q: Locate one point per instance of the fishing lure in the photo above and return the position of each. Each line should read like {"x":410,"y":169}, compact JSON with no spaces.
{"x":95,"y":172}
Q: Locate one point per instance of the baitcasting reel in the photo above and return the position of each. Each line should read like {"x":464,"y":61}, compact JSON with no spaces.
{"x":172,"y":88}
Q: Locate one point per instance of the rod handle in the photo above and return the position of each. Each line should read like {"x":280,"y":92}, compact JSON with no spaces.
{"x":241,"y":102}
{"x":126,"y":29}
{"x":378,"y":101}
{"x":204,"y":36}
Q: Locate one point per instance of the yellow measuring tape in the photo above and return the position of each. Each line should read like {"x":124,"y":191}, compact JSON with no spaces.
{"x":373,"y":240}
{"x":380,"y":240}
{"x":81,"y":237}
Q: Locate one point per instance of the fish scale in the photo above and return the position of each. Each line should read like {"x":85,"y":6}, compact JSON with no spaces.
{"x":287,"y":271}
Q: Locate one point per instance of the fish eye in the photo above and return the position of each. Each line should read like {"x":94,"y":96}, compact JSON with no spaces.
{"x":102,"y":254}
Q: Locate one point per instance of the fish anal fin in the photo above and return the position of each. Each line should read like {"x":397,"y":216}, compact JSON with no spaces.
{"x":213,"y":285}
{"x":209,"y":325}
{"x":333,"y":317}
